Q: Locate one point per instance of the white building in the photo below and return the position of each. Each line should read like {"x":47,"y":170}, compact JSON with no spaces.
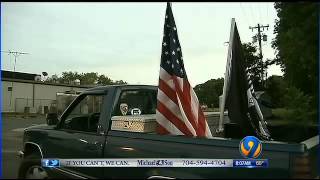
{"x":20,"y":91}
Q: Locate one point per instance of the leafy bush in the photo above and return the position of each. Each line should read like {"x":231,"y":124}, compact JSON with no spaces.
{"x":279,"y":113}
{"x":276,"y":88}
{"x":298,"y":107}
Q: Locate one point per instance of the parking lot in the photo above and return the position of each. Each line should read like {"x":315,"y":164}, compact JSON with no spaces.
{"x":12,"y":131}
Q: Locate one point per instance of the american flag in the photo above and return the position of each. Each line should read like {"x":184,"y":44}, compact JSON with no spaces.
{"x":178,"y":109}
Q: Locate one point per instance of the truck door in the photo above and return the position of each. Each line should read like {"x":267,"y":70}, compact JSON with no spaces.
{"x":76,"y":136}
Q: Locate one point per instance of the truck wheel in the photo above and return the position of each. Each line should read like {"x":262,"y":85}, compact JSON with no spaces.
{"x":30,"y":168}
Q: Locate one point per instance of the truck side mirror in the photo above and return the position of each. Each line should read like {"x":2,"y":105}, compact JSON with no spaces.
{"x":52,"y":118}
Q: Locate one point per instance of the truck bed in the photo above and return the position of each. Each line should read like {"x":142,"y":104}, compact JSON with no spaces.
{"x":289,"y":144}
{"x":142,"y":145}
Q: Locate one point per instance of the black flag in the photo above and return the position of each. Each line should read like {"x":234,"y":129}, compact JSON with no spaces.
{"x":239,"y":95}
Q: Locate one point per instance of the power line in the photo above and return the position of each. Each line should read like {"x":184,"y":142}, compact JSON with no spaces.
{"x":267,"y":9}
{"x":258,"y":37}
{"x":251,"y":11}
{"x":15,"y":54}
{"x":259,"y":11}
{"x":245,"y":14}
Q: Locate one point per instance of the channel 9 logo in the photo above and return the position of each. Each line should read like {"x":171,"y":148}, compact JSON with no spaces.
{"x":250,"y":147}
{"x":50,"y":163}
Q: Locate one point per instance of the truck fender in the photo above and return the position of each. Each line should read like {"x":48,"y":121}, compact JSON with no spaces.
{"x":31,"y":147}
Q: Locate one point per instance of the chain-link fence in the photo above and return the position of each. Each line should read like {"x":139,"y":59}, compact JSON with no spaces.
{"x":40,"y":106}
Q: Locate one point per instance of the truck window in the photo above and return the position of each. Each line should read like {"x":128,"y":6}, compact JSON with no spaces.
{"x":135,"y":111}
{"x":133,"y":102}
{"x":85,"y":115}
{"x":63,"y":101}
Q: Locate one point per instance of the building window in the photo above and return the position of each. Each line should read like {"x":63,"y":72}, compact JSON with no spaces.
{"x":9,"y":88}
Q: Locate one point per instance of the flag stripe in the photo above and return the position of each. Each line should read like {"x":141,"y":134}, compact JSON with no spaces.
{"x":166,"y":101}
{"x":168,"y":91}
{"x":174,"y":108}
{"x":161,"y":130}
{"x":200,"y":118}
{"x":173,"y":119}
{"x":201,"y":124}
{"x":166,"y":125}
{"x":185,"y":99}
{"x":188,"y":104}
{"x":208,"y":132}
{"x":201,"y":121}
{"x":194,"y":105}
{"x":167,"y":78}
{"x":186,"y":120}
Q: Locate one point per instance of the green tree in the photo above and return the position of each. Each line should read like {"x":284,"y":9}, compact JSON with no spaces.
{"x":88,"y":78}
{"x":104,"y":80}
{"x":208,"y":93}
{"x":52,"y":79}
{"x":296,"y":45}
{"x":92,"y":78}
{"x":277,"y":89}
{"x":298,"y":108}
{"x":69,"y":77}
{"x":120,"y":82}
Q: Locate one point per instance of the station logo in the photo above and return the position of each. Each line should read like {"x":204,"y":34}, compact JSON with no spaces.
{"x":250,"y":147}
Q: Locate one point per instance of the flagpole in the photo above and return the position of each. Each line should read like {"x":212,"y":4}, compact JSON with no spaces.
{"x":227,"y":76}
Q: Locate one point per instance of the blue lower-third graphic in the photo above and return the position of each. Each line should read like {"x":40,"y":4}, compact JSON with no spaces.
{"x":50,"y":163}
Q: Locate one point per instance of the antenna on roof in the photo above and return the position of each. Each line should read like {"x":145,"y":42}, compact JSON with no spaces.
{"x":15,"y":54}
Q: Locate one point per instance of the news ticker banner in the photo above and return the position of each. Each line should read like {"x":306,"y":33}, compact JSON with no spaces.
{"x":209,"y":163}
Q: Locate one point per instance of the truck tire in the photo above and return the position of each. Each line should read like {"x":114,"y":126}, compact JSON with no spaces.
{"x":30,"y":168}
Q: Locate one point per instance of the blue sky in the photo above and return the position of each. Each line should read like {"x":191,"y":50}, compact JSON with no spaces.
{"x":123,"y":40}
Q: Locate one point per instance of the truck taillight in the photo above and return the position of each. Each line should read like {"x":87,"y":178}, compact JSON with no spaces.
{"x":301,"y":167}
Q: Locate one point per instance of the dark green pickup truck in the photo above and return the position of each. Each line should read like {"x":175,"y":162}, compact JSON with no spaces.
{"x":84,"y":131}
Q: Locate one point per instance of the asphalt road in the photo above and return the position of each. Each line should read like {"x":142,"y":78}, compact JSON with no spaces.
{"x":12,"y":130}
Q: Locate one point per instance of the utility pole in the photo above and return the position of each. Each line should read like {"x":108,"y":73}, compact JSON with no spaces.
{"x":15,"y":54}
{"x":259,"y":38}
